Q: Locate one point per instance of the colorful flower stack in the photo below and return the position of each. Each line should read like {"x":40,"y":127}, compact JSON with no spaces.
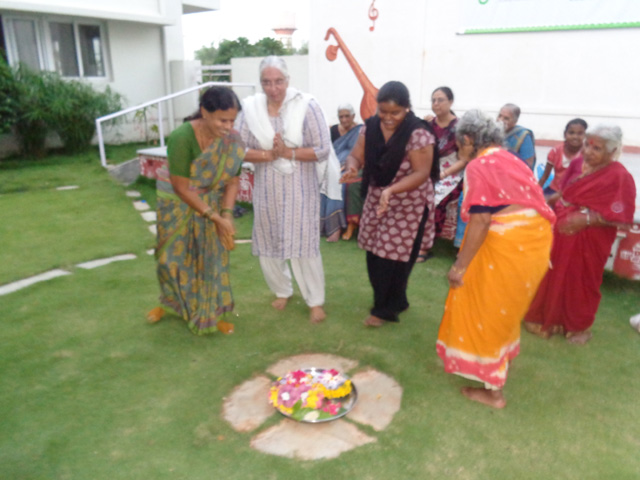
{"x":311,"y":395}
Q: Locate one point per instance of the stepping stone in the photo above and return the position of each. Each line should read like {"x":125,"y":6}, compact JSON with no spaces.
{"x":319,"y":360}
{"x":151,"y":252}
{"x":140,"y":205}
{"x":248,"y":406}
{"x":25,"y":282}
{"x":133,"y":194}
{"x":379,"y":398}
{"x":105,"y":261}
{"x":243,"y":241}
{"x":153,"y":229}
{"x":149,"y":216}
{"x":68,"y":187}
{"x":307,"y":441}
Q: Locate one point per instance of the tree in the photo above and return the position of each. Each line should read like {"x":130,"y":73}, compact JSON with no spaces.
{"x":240,"y":47}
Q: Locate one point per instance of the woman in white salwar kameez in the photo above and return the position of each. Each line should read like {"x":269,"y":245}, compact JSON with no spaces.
{"x":286,"y":135}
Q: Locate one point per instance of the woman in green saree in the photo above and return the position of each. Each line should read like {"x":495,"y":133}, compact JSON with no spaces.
{"x":195,"y":199}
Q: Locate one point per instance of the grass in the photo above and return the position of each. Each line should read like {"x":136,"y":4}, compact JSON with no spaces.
{"x":90,"y":391}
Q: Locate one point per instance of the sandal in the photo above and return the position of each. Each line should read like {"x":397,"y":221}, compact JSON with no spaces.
{"x":423,"y":257}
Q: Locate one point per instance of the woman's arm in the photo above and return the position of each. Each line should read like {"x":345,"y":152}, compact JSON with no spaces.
{"x":301,"y":154}
{"x":545,"y":175}
{"x":259,"y":156}
{"x":354,"y":162}
{"x":457,"y":166}
{"x":421,"y":161}
{"x":577,"y":221}
{"x":476,"y":232}
{"x":222,"y":220}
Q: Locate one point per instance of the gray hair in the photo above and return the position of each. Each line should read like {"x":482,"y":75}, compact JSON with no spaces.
{"x":274,"y":62}
{"x":610,"y":133}
{"x":348,"y":107}
{"x":515,"y":109}
{"x":483,"y":130}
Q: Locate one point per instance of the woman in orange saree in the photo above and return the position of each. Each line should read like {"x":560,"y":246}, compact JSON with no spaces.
{"x":503,"y":257}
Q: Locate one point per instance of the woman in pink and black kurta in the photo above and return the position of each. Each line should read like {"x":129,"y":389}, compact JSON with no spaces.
{"x":597,"y":196}
{"x":396,"y":150}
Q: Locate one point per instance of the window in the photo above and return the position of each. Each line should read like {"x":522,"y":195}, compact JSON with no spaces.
{"x":73,"y":48}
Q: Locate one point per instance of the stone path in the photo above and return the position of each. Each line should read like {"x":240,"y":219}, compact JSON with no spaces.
{"x":247,"y":409}
{"x":139,"y":205}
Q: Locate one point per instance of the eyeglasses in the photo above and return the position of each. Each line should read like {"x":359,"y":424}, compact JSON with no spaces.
{"x":438,"y":100}
{"x":268,"y":83}
{"x":345,"y":116}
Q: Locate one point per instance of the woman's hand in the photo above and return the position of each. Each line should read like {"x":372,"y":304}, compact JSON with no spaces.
{"x":279,"y":148}
{"x":383,"y":205}
{"x":225,"y":230}
{"x":573,"y":223}
{"x":428,"y":118}
{"x":455,"y":276}
{"x":350,"y":174}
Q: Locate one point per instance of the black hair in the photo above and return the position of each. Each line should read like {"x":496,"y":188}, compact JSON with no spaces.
{"x":395,"y":92}
{"x":447,"y":91}
{"x":216,"y":98}
{"x":575,"y":121}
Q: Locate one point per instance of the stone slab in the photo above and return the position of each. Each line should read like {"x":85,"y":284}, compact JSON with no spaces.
{"x":105,"y":261}
{"x":141,"y":205}
{"x":307,"y":441}
{"x":319,"y":360}
{"x":20,"y":284}
{"x":379,"y":399}
{"x":68,"y":187}
{"x":149,"y":216}
{"x":248,"y":405}
{"x":133,"y":194}
{"x":153,"y":229}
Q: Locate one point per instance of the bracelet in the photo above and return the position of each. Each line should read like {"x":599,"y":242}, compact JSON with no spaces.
{"x":458,"y":270}
{"x":588,"y":217}
{"x":293,"y":154}
{"x":264,"y":154}
{"x":226,"y":210}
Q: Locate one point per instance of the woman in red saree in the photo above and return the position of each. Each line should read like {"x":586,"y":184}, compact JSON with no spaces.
{"x":597,"y":196}
{"x":503,"y":258}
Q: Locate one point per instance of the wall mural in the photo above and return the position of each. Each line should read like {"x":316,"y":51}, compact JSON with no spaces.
{"x":368,"y":104}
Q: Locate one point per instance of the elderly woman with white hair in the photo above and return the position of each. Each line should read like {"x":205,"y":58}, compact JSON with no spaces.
{"x":597,"y":196}
{"x":286,"y":135}
{"x":503,"y":257}
{"x":344,"y":136}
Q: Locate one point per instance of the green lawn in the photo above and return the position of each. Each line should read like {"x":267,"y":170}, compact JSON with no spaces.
{"x":90,"y":391}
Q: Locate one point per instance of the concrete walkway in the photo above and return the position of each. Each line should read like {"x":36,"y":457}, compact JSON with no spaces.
{"x":247,"y":409}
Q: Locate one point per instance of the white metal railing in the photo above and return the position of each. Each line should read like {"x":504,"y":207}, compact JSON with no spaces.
{"x":158,"y":102}
{"x":208,"y":71}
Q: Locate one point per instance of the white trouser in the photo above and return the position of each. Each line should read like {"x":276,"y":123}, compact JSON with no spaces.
{"x":308,"y":273}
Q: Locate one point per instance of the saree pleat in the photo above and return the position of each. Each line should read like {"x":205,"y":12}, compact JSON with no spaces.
{"x":480,"y":329}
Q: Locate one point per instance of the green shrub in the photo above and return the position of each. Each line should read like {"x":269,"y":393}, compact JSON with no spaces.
{"x":75,"y":106}
{"x":46,"y":102}
{"x":8,"y":97}
{"x":32,"y":110}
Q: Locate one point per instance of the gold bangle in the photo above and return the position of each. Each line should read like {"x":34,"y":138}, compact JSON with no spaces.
{"x":226,"y":210}
{"x":264,"y":154}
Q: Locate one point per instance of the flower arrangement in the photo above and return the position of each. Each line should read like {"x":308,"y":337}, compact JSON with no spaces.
{"x":311,"y":395}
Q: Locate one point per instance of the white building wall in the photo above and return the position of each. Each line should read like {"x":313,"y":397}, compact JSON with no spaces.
{"x":553,"y":76}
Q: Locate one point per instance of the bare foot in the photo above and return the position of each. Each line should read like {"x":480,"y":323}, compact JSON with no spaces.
{"x":373,"y":321}
{"x":155,"y":314}
{"x":536,"y":329}
{"x":334,"y":237}
{"x":279,"y":303}
{"x":492,"y":398}
{"x":317,"y":315}
{"x":225,"y":327}
{"x":351,"y":227}
{"x":579,"y":338}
